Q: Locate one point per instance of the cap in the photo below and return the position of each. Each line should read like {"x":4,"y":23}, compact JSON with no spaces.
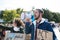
{"x":40,"y":10}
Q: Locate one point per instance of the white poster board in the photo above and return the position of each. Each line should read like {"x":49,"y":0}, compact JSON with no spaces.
{"x":17,"y":36}
{"x":14,"y":36}
{"x":44,"y":35}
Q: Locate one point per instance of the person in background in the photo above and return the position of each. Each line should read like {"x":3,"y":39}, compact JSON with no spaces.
{"x":53,"y":25}
{"x":2,"y":32}
{"x":59,"y":27}
{"x":18,"y":26}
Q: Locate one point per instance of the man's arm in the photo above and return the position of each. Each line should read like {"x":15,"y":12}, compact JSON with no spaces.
{"x":32,"y":31}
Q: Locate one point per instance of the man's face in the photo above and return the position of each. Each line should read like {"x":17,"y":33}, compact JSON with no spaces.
{"x":36,"y":14}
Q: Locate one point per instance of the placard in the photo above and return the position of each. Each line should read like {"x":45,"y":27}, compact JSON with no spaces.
{"x":14,"y":36}
{"x":17,"y":36}
{"x":44,"y":35}
{"x":28,"y":37}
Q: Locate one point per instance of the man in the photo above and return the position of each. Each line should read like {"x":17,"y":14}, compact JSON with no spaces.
{"x":38,"y":13}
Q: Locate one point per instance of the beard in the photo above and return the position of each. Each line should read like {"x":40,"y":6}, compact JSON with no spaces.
{"x":37,"y":17}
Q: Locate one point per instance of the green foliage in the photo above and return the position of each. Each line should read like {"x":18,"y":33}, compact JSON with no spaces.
{"x":19,"y":11}
{"x":1,"y":14}
{"x":9,"y":15}
{"x":47,"y":14}
{"x":51,"y":16}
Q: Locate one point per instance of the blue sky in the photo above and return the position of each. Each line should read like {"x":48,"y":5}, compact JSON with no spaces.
{"x":53,"y":5}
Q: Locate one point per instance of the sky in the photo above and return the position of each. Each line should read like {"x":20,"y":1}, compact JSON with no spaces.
{"x":53,"y":5}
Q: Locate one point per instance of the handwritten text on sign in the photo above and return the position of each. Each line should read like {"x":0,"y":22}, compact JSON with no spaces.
{"x":44,"y":35}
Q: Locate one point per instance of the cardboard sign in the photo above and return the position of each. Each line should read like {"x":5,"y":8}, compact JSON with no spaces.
{"x":17,"y":36}
{"x":28,"y":37}
{"x":44,"y":35}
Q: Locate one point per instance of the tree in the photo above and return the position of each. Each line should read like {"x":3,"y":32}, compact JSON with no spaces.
{"x":1,"y":14}
{"x":47,"y":14}
{"x":51,"y":16}
{"x":9,"y":15}
{"x":19,"y":11}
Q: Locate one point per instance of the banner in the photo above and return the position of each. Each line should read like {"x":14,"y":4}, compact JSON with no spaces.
{"x":44,"y":35}
{"x":17,"y":36}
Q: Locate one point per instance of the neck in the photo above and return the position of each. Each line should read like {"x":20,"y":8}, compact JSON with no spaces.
{"x":39,"y":19}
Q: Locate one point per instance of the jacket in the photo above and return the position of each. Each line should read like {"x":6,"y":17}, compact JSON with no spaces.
{"x":45,"y":26}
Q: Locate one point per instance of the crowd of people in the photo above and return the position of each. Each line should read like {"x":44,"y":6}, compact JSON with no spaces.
{"x":30,"y":23}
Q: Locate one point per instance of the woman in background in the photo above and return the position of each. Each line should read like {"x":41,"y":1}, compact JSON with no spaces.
{"x":18,"y":26}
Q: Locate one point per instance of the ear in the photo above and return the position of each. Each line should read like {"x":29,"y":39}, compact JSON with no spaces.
{"x":41,"y":14}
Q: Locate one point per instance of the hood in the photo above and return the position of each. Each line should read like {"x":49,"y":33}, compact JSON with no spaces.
{"x":41,"y":21}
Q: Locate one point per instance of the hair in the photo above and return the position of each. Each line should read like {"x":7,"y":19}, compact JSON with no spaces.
{"x":40,"y":11}
{"x":19,"y":22}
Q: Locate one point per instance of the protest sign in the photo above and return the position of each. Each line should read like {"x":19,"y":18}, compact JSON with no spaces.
{"x":44,"y":35}
{"x":17,"y":36}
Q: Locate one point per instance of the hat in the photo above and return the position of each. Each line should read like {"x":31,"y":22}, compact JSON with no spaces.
{"x":40,"y":10}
